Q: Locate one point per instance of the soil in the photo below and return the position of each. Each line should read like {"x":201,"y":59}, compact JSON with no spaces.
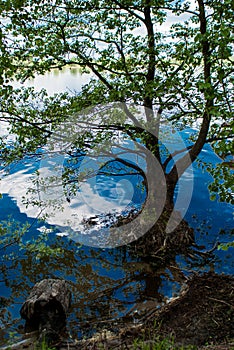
{"x":202,"y":314}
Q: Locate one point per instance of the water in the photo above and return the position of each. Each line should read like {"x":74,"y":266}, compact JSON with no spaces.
{"x":58,"y":80}
{"x":107,"y":284}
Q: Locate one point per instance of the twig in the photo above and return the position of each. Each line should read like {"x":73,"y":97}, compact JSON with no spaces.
{"x":221,"y":301}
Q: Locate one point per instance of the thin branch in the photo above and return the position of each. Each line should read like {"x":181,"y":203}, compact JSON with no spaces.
{"x":221,"y":301}
{"x":15,"y":117}
{"x":185,"y":161}
{"x":86,"y":61}
{"x":129,"y":10}
{"x":177,"y":9}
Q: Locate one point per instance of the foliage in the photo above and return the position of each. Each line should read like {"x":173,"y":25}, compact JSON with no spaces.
{"x":226,"y":246}
{"x":185,"y":73}
{"x":222,"y":187}
{"x":43,"y":346}
{"x":154,"y":344}
{"x":160,"y":344}
{"x":172,"y":58}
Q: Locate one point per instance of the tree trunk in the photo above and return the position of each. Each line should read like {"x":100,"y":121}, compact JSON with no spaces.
{"x":46,"y":308}
{"x":169,"y":234}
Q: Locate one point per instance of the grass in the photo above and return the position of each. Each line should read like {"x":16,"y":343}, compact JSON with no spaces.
{"x":157,"y":344}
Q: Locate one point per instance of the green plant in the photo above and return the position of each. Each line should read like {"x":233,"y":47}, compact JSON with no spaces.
{"x":43,"y":345}
{"x":159,"y":344}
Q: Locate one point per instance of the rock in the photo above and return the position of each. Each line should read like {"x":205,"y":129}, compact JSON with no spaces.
{"x":46,"y":308}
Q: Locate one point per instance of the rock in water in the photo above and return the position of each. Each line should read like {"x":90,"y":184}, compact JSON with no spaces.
{"x":46,"y":308}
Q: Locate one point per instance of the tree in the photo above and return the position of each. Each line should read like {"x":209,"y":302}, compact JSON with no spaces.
{"x":183,"y":76}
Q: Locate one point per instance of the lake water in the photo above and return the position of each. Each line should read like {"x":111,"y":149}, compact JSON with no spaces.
{"x":107,"y":284}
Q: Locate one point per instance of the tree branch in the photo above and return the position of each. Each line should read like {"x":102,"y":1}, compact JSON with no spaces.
{"x":129,"y":10}
{"x":182,"y":164}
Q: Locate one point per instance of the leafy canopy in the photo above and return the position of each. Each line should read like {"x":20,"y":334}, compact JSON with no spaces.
{"x":183,"y":71}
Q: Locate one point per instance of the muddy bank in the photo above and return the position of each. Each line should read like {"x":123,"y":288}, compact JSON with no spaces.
{"x":202,"y":314}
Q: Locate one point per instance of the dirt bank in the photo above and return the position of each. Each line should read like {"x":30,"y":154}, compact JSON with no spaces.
{"x":202,"y":314}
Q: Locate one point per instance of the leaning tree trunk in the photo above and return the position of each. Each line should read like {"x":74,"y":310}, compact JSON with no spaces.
{"x":169,"y":233}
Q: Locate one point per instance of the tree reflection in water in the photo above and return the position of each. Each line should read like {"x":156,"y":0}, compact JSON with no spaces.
{"x":109,"y":286}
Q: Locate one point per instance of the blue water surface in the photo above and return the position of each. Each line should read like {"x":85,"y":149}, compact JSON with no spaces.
{"x":212,"y":222}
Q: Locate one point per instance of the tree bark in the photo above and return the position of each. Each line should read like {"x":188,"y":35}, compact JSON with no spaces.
{"x":46,"y":308}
